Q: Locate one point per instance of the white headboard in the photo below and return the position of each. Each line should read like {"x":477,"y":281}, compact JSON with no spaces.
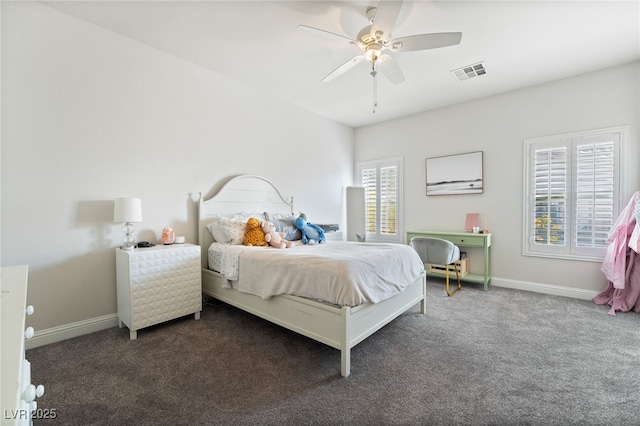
{"x":241,"y":194}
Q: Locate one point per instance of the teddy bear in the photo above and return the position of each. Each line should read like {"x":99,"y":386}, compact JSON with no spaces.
{"x":275,"y":239}
{"x":311,"y":234}
{"x":254,"y":236}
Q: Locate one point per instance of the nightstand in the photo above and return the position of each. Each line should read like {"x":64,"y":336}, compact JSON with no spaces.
{"x":157,"y":284}
{"x":333,"y":236}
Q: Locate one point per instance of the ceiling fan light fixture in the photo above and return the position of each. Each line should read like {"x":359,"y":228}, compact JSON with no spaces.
{"x":373,"y":52}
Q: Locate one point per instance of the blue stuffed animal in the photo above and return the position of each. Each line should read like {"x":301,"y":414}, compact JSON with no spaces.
{"x":311,"y":234}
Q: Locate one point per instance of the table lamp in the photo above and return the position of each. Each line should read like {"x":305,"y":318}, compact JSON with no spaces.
{"x":127,"y":211}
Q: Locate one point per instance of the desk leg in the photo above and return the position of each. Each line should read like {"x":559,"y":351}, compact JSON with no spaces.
{"x":487,"y":267}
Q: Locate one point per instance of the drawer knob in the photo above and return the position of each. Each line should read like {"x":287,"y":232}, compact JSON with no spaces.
{"x":29,"y":393}
{"x":29,"y":332}
{"x":30,"y":310}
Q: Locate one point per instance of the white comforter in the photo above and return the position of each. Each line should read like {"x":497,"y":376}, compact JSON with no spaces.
{"x":342,"y":273}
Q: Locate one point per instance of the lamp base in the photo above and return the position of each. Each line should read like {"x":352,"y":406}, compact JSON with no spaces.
{"x":128,"y":242}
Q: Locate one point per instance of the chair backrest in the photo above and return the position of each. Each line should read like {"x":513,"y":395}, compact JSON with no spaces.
{"x":435,"y":250}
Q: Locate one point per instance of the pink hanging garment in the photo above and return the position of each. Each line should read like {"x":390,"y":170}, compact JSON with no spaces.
{"x":614,"y":263}
{"x":621,"y":264}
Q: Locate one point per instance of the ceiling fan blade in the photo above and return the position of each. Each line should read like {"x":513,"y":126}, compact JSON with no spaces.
{"x":385,"y":19}
{"x":343,"y":68}
{"x":325,"y":33}
{"x":390,"y":68}
{"x":424,"y":41}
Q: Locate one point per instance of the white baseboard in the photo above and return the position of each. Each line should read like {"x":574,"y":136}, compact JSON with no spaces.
{"x":68,"y":331}
{"x":575,"y":293}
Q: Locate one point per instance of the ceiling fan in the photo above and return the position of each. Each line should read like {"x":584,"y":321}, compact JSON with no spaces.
{"x":374,"y":39}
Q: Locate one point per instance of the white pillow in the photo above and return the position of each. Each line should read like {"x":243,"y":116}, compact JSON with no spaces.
{"x":215,"y":231}
{"x":284,"y":223}
{"x":278,"y":216}
{"x":233,"y":231}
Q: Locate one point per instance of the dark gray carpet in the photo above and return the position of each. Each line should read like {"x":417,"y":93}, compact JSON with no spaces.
{"x":503,"y":357}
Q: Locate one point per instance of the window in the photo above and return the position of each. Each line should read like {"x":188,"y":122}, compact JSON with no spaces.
{"x":382,"y":183}
{"x":572,"y":194}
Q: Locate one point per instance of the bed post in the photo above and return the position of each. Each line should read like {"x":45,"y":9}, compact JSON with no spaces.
{"x":423,"y":302}
{"x":204,"y":257}
{"x":345,"y":351}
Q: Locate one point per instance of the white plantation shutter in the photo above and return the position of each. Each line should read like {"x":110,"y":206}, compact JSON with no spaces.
{"x":550,"y":221}
{"x":595,"y":190}
{"x":382,"y":185}
{"x":370,"y":185}
{"x":388,"y":200}
{"x":572,"y":192}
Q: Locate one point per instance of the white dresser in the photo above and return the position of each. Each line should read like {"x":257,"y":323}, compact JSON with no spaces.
{"x":17,"y":397}
{"x":157,"y":284}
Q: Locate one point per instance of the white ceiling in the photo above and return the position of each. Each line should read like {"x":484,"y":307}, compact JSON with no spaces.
{"x":521,"y":43}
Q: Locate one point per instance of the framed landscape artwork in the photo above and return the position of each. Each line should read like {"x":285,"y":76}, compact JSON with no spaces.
{"x":454,"y":174}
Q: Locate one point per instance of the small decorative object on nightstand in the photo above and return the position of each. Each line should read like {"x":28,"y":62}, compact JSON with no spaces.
{"x":168,"y":236}
{"x":157,"y":284}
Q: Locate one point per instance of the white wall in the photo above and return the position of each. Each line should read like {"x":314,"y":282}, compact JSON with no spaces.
{"x":89,"y":116}
{"x":498,"y":125}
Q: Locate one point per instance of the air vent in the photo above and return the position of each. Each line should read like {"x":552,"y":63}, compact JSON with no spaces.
{"x":469,"y":71}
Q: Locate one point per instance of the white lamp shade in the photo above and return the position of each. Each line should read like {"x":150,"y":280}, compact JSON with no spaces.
{"x":127,"y":210}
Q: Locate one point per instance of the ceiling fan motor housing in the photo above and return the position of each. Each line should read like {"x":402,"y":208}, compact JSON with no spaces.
{"x":365,"y":37}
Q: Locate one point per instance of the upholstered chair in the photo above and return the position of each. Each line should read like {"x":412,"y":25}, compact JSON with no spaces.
{"x":436,"y":251}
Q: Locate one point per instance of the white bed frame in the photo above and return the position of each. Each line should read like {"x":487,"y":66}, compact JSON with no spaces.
{"x":339,"y":327}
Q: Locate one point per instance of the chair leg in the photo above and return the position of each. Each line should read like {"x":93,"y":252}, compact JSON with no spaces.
{"x":446,"y":286}
{"x":455,"y":268}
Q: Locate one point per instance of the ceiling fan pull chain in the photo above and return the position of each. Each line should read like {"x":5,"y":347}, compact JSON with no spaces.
{"x":374,"y":73}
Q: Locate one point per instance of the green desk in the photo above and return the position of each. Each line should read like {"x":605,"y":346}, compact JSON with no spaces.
{"x":464,"y":239}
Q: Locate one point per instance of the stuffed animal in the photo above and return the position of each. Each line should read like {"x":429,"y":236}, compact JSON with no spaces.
{"x":275,"y":239}
{"x":311,"y":234}
{"x":254,"y":236}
